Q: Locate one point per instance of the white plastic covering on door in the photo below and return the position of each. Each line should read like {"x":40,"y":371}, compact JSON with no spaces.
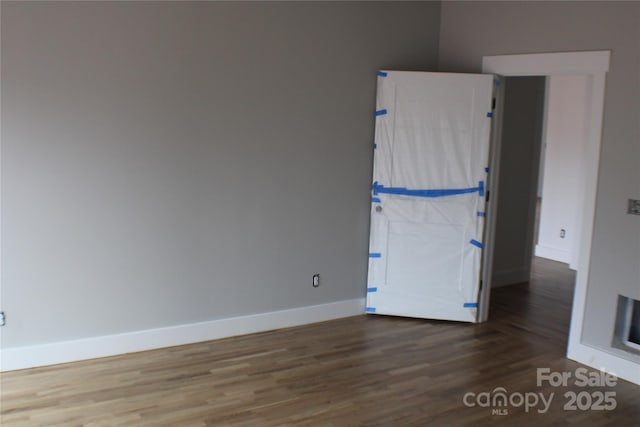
{"x":428,"y":194}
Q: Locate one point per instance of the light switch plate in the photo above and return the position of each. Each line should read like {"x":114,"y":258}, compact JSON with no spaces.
{"x":634,"y":207}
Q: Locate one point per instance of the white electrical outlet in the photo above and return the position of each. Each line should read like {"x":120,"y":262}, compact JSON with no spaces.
{"x":316,"y":280}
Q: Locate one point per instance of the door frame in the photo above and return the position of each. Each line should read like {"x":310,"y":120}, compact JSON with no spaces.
{"x":595,"y":64}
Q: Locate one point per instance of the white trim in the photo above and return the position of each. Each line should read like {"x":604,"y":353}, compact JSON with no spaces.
{"x":556,"y":254}
{"x":587,"y":355}
{"x":491,"y":208}
{"x":576,"y":349}
{"x":547,"y":64}
{"x":109,"y":345}
{"x":595,"y":64}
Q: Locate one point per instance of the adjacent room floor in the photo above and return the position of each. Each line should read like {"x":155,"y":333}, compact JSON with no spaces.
{"x":364,"y":370}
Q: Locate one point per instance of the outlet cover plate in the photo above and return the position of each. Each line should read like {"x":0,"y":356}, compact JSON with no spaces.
{"x":634,"y":207}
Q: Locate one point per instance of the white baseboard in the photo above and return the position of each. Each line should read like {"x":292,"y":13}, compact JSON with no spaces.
{"x":598,"y":359}
{"x":508,"y":277}
{"x":110,"y":345}
{"x":555,"y":254}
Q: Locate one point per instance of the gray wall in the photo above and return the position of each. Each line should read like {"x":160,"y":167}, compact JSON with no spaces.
{"x":519,"y":166}
{"x":470,"y":30}
{"x":166,"y":163}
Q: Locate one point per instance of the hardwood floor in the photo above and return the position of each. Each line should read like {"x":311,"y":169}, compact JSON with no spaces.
{"x":364,"y":370}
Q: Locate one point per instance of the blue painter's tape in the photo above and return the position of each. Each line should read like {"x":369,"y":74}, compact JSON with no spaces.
{"x":380,"y":112}
{"x":403,"y":191}
{"x":481,"y":214}
{"x":489,"y":114}
{"x":375,"y":146}
{"x":486,"y":170}
{"x":474,"y":242}
{"x":372,"y":289}
{"x":370,"y":309}
{"x":496,"y":82}
{"x":375,"y":200}
{"x":375,"y":255}
{"x":382,"y":73}
{"x":470,"y":305}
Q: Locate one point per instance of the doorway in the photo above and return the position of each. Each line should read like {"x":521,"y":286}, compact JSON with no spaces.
{"x":520,"y":152}
{"x":594,"y":65}
{"x":543,"y":124}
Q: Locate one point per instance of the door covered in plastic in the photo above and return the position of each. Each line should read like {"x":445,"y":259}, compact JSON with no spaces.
{"x":428,"y":194}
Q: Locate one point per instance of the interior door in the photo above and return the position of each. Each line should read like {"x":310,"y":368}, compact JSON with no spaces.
{"x":428,"y":194}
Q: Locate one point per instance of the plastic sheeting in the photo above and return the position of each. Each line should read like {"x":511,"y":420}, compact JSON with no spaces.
{"x":427,"y":212}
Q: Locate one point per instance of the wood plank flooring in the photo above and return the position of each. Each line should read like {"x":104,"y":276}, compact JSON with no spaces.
{"x":364,"y":370}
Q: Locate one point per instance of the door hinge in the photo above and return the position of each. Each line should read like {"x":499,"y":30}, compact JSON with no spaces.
{"x":480,"y":284}
{"x":493,"y":104}
{"x":487,"y":198}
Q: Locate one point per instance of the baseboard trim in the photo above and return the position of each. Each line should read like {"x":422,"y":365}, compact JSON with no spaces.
{"x":598,"y":359}
{"x":508,"y":277}
{"x":555,"y":254}
{"x":110,"y":345}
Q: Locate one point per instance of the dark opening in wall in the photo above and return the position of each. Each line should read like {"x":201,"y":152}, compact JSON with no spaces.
{"x":627,"y":330}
